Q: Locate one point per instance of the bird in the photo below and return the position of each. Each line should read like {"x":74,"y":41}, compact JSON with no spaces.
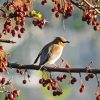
{"x":51,"y":52}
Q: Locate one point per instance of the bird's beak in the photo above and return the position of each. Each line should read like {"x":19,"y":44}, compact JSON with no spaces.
{"x":66,"y":42}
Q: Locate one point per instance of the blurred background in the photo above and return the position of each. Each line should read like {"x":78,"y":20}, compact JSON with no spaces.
{"x":84,"y":47}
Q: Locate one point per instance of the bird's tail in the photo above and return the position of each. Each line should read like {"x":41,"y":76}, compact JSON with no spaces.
{"x":36,"y":59}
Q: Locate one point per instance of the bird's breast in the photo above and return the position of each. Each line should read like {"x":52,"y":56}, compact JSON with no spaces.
{"x":56,"y":52}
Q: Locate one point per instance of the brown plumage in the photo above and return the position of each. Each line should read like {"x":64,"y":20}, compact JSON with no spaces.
{"x":52,"y":51}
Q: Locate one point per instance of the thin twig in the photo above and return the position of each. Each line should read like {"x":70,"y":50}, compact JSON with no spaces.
{"x":97,"y":80}
{"x":77,"y":5}
{"x":2,"y":10}
{"x":6,"y":41}
{"x":92,"y":6}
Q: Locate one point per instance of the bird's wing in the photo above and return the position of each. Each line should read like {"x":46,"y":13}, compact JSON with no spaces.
{"x":45,"y":55}
{"x":44,"y":59}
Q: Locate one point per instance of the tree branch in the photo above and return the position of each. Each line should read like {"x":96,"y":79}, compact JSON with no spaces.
{"x":77,"y":5}
{"x":6,"y":41}
{"x":82,"y":6}
{"x":53,"y":69}
{"x":92,"y":6}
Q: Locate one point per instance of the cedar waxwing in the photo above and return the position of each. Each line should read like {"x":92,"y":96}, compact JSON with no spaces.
{"x":52,"y":51}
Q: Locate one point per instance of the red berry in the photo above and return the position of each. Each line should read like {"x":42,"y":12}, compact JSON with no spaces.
{"x":22,"y":30}
{"x":7,"y":98}
{"x":54,"y":93}
{"x":61,"y":79}
{"x":71,"y":82}
{"x":22,"y":23}
{"x":16,"y":27}
{"x":3,"y":80}
{"x":58,"y":78}
{"x":74,"y":79}
{"x":17,"y":22}
{"x":19,"y":35}
{"x":64,"y":76}
{"x":53,"y":9}
{"x":25,"y":7}
{"x":44,"y":2}
{"x":1,"y":48}
{"x":10,"y":96}
{"x":67,"y":66}
{"x":49,"y":87}
{"x":59,"y":93}
{"x":15,"y":93}
{"x":84,"y":18}
{"x":89,"y":16}
{"x":87,"y":78}
{"x":98,"y":97}
{"x":48,"y":81}
{"x":40,"y":26}
{"x":96,"y":27}
{"x":21,"y":72}
{"x":8,"y":30}
{"x":57,"y":14}
{"x":2,"y":70}
{"x":82,"y":88}
{"x":28,"y":76}
{"x":18,"y":71}
{"x":13,"y":32}
{"x":24,"y":81}
{"x":41,"y":81}
{"x":89,"y":22}
{"x":90,"y":75}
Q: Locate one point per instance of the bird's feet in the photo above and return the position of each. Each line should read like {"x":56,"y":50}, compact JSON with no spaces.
{"x":43,"y":68}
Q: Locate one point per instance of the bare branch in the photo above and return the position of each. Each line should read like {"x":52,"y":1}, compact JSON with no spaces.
{"x":77,"y":5}
{"x":92,"y":6}
{"x":6,"y":41}
{"x":53,"y":69}
{"x":2,"y":10}
{"x":82,"y":6}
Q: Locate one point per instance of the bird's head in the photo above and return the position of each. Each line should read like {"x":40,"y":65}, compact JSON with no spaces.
{"x":61,"y":40}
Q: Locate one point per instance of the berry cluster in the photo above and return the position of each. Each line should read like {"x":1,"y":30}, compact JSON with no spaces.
{"x":89,"y":76}
{"x":63,"y":7}
{"x":16,"y":16}
{"x":3,"y":60}
{"x":91,"y":18}
{"x":24,"y":73}
{"x":82,"y":88}
{"x":18,"y":13}
{"x":12,"y":95}
{"x":73,"y":80}
{"x":57,"y":93}
{"x":39,"y":22}
{"x":51,"y":84}
{"x":61,"y":78}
